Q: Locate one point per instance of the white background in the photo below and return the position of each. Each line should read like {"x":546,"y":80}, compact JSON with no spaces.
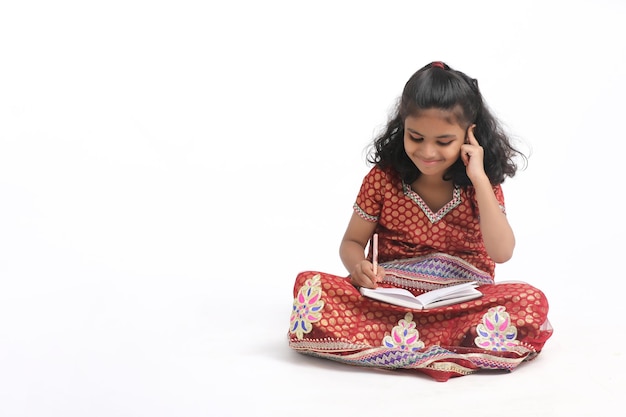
{"x":167,"y":168}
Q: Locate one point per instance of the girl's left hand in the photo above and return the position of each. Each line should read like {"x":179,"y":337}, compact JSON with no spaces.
{"x":472,"y":155}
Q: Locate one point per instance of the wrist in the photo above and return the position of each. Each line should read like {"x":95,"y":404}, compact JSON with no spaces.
{"x":480,"y":179}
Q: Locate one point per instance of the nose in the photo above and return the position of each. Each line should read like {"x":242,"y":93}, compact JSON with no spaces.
{"x":429,"y":151}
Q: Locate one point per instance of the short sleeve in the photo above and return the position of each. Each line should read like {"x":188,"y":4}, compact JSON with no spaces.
{"x":369,"y":201}
{"x":497,"y":190}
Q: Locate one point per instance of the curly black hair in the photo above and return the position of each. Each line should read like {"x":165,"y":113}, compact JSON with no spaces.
{"x":438,"y":86}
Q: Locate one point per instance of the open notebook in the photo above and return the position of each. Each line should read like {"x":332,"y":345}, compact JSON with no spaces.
{"x":436,"y":298}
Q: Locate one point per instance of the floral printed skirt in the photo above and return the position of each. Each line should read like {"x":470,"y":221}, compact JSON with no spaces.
{"x":505,"y":327}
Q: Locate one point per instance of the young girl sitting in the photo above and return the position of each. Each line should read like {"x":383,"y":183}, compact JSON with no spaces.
{"x":435,"y":202}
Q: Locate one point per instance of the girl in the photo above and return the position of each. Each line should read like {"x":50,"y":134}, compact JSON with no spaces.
{"x":434,"y":200}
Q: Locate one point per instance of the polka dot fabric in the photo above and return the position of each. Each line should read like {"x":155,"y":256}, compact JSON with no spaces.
{"x":505,"y":327}
{"x":352,"y":329}
{"x":407,"y":228}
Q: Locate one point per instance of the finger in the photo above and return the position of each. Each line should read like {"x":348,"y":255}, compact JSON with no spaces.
{"x":368,"y":282}
{"x":381,"y":273}
{"x":464,"y":156}
{"x":373,"y":279}
{"x":471,"y":139}
{"x":378,"y":277}
{"x":366,"y":276}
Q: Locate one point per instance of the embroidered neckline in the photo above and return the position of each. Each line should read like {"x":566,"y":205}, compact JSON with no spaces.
{"x":433,"y":217}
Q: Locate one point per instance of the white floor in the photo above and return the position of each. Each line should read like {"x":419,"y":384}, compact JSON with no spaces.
{"x":166,"y":169}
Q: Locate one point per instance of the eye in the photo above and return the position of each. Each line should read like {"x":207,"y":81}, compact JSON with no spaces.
{"x":414,"y":139}
{"x":444,"y":143}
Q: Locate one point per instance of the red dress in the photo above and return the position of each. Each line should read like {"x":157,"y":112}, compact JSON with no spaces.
{"x":421,"y":250}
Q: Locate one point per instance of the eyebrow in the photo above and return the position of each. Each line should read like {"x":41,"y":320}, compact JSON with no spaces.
{"x":447,"y":136}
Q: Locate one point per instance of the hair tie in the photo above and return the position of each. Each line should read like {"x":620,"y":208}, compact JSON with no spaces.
{"x":438,"y":64}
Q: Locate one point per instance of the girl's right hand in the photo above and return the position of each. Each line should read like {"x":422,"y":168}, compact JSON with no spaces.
{"x":363,"y":275}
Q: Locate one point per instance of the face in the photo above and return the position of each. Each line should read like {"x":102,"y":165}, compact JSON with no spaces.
{"x":433,"y":141}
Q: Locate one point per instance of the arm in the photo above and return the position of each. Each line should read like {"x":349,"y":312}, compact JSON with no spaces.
{"x":352,"y":253}
{"x":497,"y":234}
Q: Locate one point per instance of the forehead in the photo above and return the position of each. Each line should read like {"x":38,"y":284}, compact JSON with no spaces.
{"x":429,"y":119}
{"x":453,"y":115}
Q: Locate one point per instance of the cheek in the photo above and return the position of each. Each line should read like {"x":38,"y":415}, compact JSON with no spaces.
{"x":409,"y":146}
{"x":454,"y":153}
